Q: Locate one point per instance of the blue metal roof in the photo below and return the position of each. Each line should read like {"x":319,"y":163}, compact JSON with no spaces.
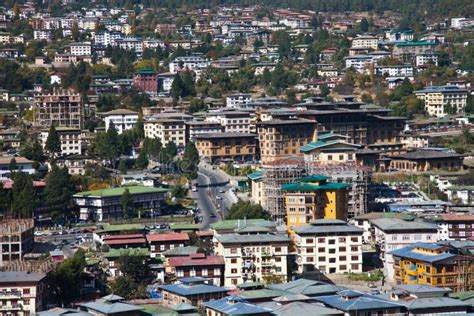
{"x":409,"y":252}
{"x":235,"y":305}
{"x":189,"y":290}
{"x":360,"y":303}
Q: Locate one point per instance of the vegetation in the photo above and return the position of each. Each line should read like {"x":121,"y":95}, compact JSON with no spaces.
{"x":136,"y":274}
{"x":249,"y":210}
{"x":58,"y":192}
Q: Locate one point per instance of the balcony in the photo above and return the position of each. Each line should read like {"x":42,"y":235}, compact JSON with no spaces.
{"x":266,"y":254}
{"x":16,"y":307}
{"x":10,"y":295}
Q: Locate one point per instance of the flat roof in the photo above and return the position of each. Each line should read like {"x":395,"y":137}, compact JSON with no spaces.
{"x":112,"y":192}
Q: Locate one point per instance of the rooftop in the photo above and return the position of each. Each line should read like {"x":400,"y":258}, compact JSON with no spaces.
{"x":235,"y":305}
{"x":115,"y":253}
{"x":167,"y":237}
{"x":225,"y":135}
{"x":328,"y":226}
{"x":411,"y":253}
{"x":396,"y":224}
{"x":190,"y":290}
{"x":255,"y":238}
{"x":112,"y":192}
{"x":23,"y":277}
{"x":198,"y":259}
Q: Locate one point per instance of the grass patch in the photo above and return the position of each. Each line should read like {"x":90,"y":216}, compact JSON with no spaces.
{"x":366,"y":277}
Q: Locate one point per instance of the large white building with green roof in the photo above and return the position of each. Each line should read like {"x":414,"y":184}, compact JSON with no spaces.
{"x":104,"y":204}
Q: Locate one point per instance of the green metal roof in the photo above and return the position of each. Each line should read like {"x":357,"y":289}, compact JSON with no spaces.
{"x":123,"y":227}
{"x":255,"y":175}
{"x":136,"y":189}
{"x":185,"y":226}
{"x":234,"y":223}
{"x":115,"y":253}
{"x":311,"y":146}
{"x":415,"y":44}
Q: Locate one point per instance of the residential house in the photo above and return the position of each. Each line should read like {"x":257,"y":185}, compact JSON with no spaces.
{"x":22,"y":164}
{"x":160,"y":243}
{"x":191,"y":63}
{"x":455,"y":226}
{"x":238,"y":100}
{"x":122,"y":119}
{"x":365,"y":41}
{"x":232,"y":121}
{"x":166,"y":130}
{"x":406,"y":51}
{"x":234,"y":305}
{"x":69,"y":137}
{"x":198,"y":265}
{"x":197,"y":128}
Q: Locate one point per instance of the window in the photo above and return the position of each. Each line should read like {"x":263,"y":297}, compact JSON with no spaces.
{"x":26,"y":291}
{"x":277,"y":249}
{"x":394,"y":237}
{"x":192,"y":272}
{"x":321,"y":240}
{"x":321,"y":249}
{"x":342,"y":249}
{"x":233,"y":260}
{"x":331,"y":241}
{"x":309,"y":250}
{"x":354,"y":266}
{"x":354,"y":248}
{"x":310,"y":259}
{"x":342,"y":258}
{"x":329,"y":157}
{"x":204,"y":272}
{"x":354,"y":239}
{"x":179,"y":273}
{"x":417,"y":237}
{"x":309,"y":240}
{"x":322,"y":259}
{"x":162,"y":247}
{"x":342,"y":239}
{"x":332,"y":260}
{"x":217,"y":271}
{"x":233,"y":251}
{"x":354,"y":258}
{"x":406,"y":237}
{"x":343,"y":267}
{"x":233,"y":271}
{"x":332,"y":250}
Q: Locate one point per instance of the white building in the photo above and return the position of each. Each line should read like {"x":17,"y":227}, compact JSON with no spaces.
{"x":23,"y":293}
{"x":23,"y":165}
{"x":80,"y":49}
{"x":238,"y":100}
{"x":232,"y":121}
{"x":330,"y":246}
{"x":40,"y":35}
{"x":129,"y":43}
{"x":105,"y":38}
{"x":395,"y":70}
{"x":437,"y":97}
{"x":122,"y":119}
{"x":426,"y":58}
{"x":364,"y":41}
{"x":192,"y":63}
{"x":392,"y":234}
{"x":166,"y":130}
{"x":70,"y":140}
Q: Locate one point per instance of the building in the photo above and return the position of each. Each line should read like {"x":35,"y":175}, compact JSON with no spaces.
{"x":125,"y":241}
{"x":234,"y":305}
{"x":104,"y":204}
{"x":146,"y":80}
{"x":426,"y":58}
{"x":60,"y":107}
{"x":365,"y":41}
{"x":166,"y":130}
{"x":403,"y":71}
{"x":191,"y":63}
{"x":313,"y":197}
{"x":328,"y":246}
{"x":80,"y":49}
{"x":455,"y":226}
{"x":22,"y":164}
{"x":197,"y":128}
{"x":434,"y":265}
{"x":390,"y":234}
{"x":250,"y":257}
{"x":406,"y":51}
{"x":23,"y":293}
{"x":330,"y":149}
{"x":16,"y":239}
{"x":443,"y":100}
{"x":224,"y":147}
{"x":193,"y":291}
{"x":238,"y":100}
{"x":70,"y":139}
{"x":426,"y":160}
{"x":122,"y":119}
{"x":160,"y":243}
{"x":198,"y":265}
{"x":232,"y":121}
{"x":113,"y":255}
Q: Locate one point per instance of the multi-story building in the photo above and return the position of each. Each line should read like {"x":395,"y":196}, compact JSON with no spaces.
{"x":330,"y":149}
{"x":105,"y":204}
{"x":238,"y":100}
{"x":438,"y":98}
{"x":196,"y":128}
{"x":392,"y":233}
{"x":122,"y":119}
{"x":80,"y":49}
{"x":227,"y":147}
{"x":435,"y":265}
{"x":283,"y":138}
{"x":146,"y":80}
{"x":365,"y":41}
{"x":42,"y":35}
{"x":22,"y":293}
{"x":166,"y":130}
{"x":59,"y":107}
{"x":330,"y":246}
{"x":232,"y":121}
{"x":427,"y":160}
{"x":360,"y":63}
{"x":23,"y":165}
{"x":406,"y":51}
{"x":252,"y":257}
{"x":403,"y":71}
{"x":191,"y":63}
{"x":16,"y":239}
{"x":313,"y":197}
{"x":455,"y":226}
{"x":426,"y":58}
{"x":70,"y":139}
{"x":198,"y":265}
{"x":160,"y":243}
{"x":129,"y":43}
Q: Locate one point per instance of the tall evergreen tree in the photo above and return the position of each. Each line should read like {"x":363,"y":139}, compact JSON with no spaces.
{"x":189,"y":164}
{"x":177,"y":87}
{"x":53,"y":142}
{"x":23,"y":195}
{"x":126,"y":201}
{"x":58,"y":192}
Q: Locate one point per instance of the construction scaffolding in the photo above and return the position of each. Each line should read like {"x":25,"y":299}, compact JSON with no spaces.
{"x":276,"y":174}
{"x":357,"y":176}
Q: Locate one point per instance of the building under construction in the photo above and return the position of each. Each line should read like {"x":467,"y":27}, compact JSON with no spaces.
{"x":16,"y":239}
{"x":276,"y":174}
{"x":357,"y":176}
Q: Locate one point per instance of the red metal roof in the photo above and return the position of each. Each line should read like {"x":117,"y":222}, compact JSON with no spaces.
{"x":8,"y":184}
{"x":167,"y":237}
{"x":457,"y":218}
{"x":126,"y":241}
{"x":205,"y":233}
{"x":196,"y":260}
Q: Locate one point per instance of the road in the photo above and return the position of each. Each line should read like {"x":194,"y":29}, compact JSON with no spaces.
{"x":213,"y":197}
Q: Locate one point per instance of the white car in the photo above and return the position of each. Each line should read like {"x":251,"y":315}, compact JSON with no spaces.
{"x":194,"y":188}
{"x":38,"y":233}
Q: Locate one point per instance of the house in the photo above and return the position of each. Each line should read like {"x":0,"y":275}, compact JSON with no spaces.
{"x":250,"y":257}
{"x":76,"y":164}
{"x":256,"y":186}
{"x":330,"y":148}
{"x":392,"y":233}
{"x":227,"y":146}
{"x":329,"y":246}
{"x":22,"y":164}
{"x":113,"y":255}
{"x":56,"y":255}
{"x":406,"y":51}
{"x":99,"y":308}
{"x":234,"y":305}
{"x":426,"y":160}
{"x":193,"y":291}
{"x":395,"y":71}
{"x":365,"y":41}
{"x":232,"y":121}
{"x":455,"y":226}
{"x":435,"y":265}
{"x":23,"y":293}
{"x":198,"y":265}
{"x":125,"y":241}
{"x":165,"y":81}
{"x":443,"y":100}
{"x":426,"y":58}
{"x":191,"y":63}
{"x":122,"y":119}
{"x":105,"y":204}
{"x":80,"y":49}
{"x":230,"y":225}
{"x":160,"y":243}
{"x":69,"y":137}
{"x":197,"y":128}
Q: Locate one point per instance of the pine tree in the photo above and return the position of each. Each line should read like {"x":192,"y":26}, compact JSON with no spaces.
{"x":177,"y":87}
{"x":13,"y":166}
{"x":53,"y":142}
{"x":58,"y":192}
{"x":23,"y":195}
{"x":188,"y":84}
{"x":122,"y":166}
{"x":142,"y":161}
{"x":189,"y":164}
{"x":126,"y":201}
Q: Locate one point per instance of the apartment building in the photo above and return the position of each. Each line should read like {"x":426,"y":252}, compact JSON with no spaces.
{"x":146,"y":80}
{"x":313,"y":197}
{"x":402,"y":71}
{"x":122,"y":119}
{"x":198,"y":265}
{"x":22,"y":293}
{"x":23,"y":165}
{"x":434,"y":265}
{"x":329,"y":246}
{"x":238,"y":100}
{"x":438,"y":98}
{"x":197,"y":128}
{"x":455,"y":226}
{"x":251,"y":257}
{"x":223,"y":147}
{"x":191,"y":63}
{"x":160,"y":243}
{"x":391,"y":234}
{"x":60,"y":107}
{"x":406,"y":51}
{"x":365,"y":41}
{"x":166,"y":130}
{"x":70,"y":139}
{"x":105,"y":204}
{"x":80,"y":49}
{"x":283,"y":137}
{"x":426,"y":58}
{"x":16,"y":239}
{"x":232,"y":121}
{"x":427,"y":160}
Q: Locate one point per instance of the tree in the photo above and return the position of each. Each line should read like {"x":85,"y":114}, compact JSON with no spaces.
{"x":248,"y":210}
{"x":23,"y":195}
{"x":177,"y":87}
{"x":13,"y":166}
{"x":133,"y":267}
{"x":33,"y":151}
{"x":188,"y":84}
{"x":449,"y":109}
{"x":58,"y":192}
{"x":126,"y":201}
{"x":364,"y":25}
{"x":142,"y":160}
{"x":324,"y":90}
{"x":53,"y":142}
{"x":179,"y":191}
{"x":170,"y":151}
{"x":122,"y":166}
{"x":190,"y":161}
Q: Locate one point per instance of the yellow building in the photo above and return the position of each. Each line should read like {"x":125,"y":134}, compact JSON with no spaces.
{"x":433,"y":265}
{"x":313,"y":197}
